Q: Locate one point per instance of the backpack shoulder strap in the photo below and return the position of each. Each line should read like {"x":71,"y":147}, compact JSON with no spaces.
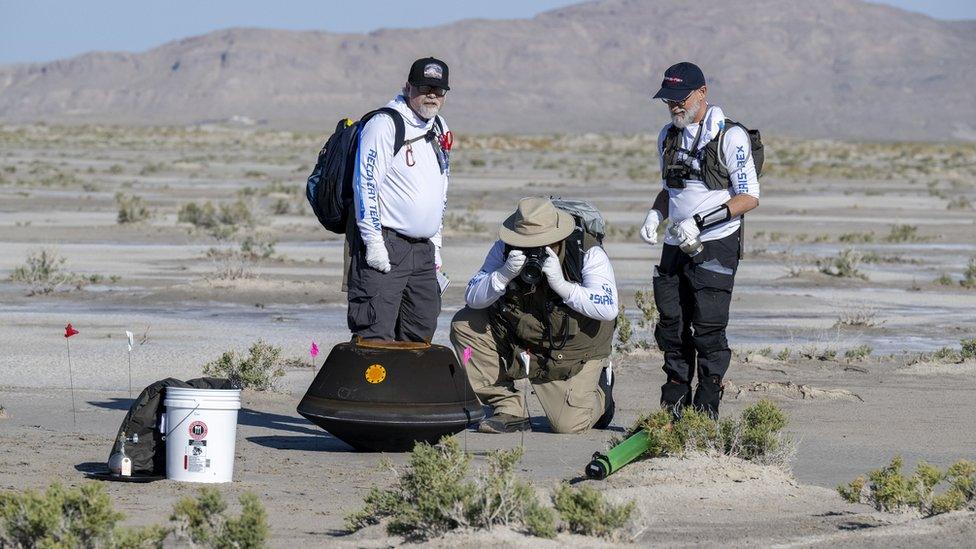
{"x":399,"y":135}
{"x":729,"y":123}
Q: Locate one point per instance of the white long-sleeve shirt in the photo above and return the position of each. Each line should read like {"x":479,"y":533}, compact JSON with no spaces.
{"x":595,"y":298}
{"x":696,"y":197}
{"x":388,"y":192}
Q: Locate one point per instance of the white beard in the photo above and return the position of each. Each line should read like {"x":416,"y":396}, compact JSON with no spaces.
{"x":428,"y":111}
{"x":681,"y":121}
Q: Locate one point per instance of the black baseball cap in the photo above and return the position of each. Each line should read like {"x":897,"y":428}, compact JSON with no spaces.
{"x":679,"y":81}
{"x":428,"y":72}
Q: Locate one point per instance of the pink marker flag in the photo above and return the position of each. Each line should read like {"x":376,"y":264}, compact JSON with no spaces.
{"x":314,"y":350}
{"x":466,"y":355}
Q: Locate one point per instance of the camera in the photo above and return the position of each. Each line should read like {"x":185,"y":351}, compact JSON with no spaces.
{"x":532,"y":271}
{"x":676,"y":174}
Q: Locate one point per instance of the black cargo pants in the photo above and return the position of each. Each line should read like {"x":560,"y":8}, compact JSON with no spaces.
{"x":693,"y":296}
{"x":401,"y":305}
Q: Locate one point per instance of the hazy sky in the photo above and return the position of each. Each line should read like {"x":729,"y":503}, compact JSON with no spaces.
{"x":41,"y":30}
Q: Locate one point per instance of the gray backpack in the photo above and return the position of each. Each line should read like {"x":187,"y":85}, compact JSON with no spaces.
{"x":585,"y":214}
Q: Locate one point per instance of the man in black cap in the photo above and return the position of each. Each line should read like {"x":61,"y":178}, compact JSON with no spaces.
{"x":400,"y":191}
{"x":709,"y":180}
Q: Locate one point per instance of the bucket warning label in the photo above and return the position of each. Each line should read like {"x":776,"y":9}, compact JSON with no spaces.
{"x":198,"y":430}
{"x":195,"y":459}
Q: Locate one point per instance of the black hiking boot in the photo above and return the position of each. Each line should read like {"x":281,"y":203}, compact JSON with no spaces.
{"x":504,"y":423}
{"x":675,"y":395}
{"x":708,"y":395}
{"x":606,"y":383}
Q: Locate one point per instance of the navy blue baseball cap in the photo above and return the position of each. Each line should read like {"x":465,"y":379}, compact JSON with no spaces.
{"x":679,"y":81}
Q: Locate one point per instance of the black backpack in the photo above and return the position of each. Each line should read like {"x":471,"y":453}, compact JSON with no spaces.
{"x":329,"y":187}
{"x":149,"y":454}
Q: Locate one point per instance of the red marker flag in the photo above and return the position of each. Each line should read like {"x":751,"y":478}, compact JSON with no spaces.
{"x":69,"y":331}
{"x":314,"y":350}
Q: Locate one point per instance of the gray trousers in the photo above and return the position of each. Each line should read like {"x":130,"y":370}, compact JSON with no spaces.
{"x":401,"y":305}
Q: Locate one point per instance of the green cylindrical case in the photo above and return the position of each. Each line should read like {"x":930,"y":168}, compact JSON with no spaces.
{"x":603,"y":465}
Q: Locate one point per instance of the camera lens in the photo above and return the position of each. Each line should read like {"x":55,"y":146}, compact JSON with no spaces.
{"x":532,"y":271}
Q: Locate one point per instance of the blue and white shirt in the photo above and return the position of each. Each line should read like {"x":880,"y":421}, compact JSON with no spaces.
{"x":389,"y":192}
{"x":595,"y":298}
{"x":696,"y":197}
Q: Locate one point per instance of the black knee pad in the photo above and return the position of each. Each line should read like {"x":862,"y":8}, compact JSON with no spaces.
{"x":708,"y":395}
{"x":675,"y":395}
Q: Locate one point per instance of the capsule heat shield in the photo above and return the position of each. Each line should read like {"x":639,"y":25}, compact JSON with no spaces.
{"x":386,"y":396}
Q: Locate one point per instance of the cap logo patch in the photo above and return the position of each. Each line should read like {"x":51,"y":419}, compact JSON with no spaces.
{"x":433,"y":70}
{"x":672,"y":80}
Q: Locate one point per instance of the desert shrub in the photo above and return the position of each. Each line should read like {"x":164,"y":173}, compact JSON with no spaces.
{"x":856,"y":238}
{"x":433,"y":495}
{"x":858,"y":353}
{"x":69,"y":517}
{"x":625,"y":330}
{"x":968,"y":350}
{"x":199,"y":216}
{"x":756,"y":434}
{"x":648,"y":308}
{"x":903,"y":233}
{"x":888,"y":489}
{"x":784,"y":354}
{"x":258,"y":371}
{"x":258,"y":246}
{"x":280,"y":207}
{"x":944,"y":280}
{"x":203,"y":521}
{"x":236,"y":213}
{"x":586,"y":512}
{"x":43,"y":271}
{"x":969,"y":275}
{"x":857,"y":317}
{"x":845,"y":265}
{"x":131,"y":209}
{"x":959,"y":203}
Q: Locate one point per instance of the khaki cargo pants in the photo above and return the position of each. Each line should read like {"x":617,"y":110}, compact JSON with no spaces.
{"x":572,"y":405}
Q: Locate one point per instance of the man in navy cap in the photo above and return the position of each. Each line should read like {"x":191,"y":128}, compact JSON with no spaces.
{"x":709,"y":180}
{"x":400,"y":190}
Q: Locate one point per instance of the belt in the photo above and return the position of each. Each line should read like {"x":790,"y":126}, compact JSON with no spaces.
{"x":410,"y":239}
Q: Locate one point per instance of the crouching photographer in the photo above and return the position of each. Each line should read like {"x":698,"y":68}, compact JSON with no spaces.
{"x":542,"y":307}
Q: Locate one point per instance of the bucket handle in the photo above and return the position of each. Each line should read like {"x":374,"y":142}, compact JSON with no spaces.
{"x":170,"y":432}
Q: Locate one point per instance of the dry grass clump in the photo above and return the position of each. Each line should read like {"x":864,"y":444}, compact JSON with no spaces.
{"x":859,"y":353}
{"x":69,"y":517}
{"x":44,"y":272}
{"x":888,"y":489}
{"x":903,"y":233}
{"x":755,"y":435}
{"x":434,"y":495}
{"x":858,"y":317}
{"x":967,"y":351}
{"x":132,"y":209}
{"x":84,"y":517}
{"x":845,"y":265}
{"x":259,"y":370}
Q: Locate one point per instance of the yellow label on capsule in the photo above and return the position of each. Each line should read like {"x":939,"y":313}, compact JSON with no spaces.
{"x":375,"y":373}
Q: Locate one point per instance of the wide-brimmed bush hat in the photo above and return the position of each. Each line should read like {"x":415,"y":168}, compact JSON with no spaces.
{"x":536,"y":222}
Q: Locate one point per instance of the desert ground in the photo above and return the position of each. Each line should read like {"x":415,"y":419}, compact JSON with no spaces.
{"x":858,"y":273}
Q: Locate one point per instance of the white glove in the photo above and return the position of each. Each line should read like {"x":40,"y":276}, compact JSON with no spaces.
{"x":554,"y":275}
{"x":686,"y":230}
{"x":377,"y":257}
{"x":649,"y":231}
{"x":512,"y":267}
{"x":438,"y":261}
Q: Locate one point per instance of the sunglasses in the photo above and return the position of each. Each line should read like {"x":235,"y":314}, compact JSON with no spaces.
{"x":681,"y":103}
{"x":427,"y":90}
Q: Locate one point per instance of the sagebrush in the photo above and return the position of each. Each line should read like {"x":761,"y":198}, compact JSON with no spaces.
{"x":888,"y":489}
{"x":259,"y":370}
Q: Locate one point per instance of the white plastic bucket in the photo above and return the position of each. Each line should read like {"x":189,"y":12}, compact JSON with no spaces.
{"x":201,"y":432}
